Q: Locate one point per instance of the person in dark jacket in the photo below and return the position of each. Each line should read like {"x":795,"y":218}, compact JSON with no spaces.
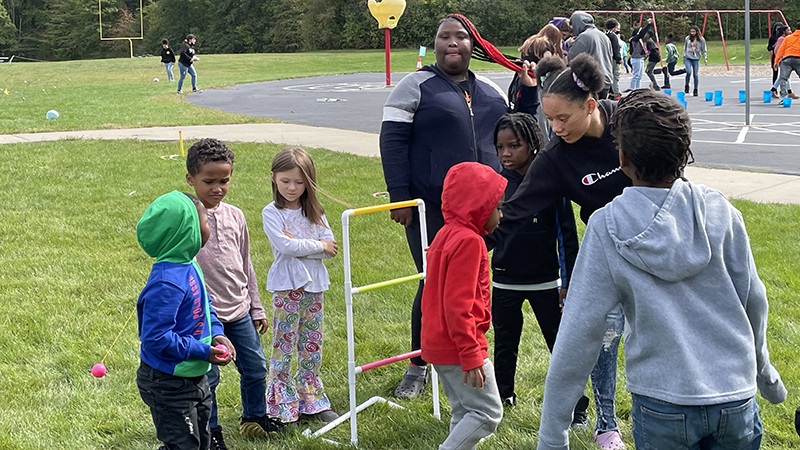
{"x":526,"y":265}
{"x":187,"y":57}
{"x":435,"y":118}
{"x":653,"y":58}
{"x":167,"y":58}
{"x":612,"y":28}
{"x":580,"y":163}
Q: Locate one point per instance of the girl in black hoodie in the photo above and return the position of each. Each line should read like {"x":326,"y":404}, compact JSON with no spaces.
{"x":580,"y":163}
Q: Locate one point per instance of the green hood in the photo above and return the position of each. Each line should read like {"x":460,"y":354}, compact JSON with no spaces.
{"x":169,"y":230}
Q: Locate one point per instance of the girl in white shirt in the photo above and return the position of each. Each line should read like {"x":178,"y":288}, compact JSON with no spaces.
{"x":300,"y":238}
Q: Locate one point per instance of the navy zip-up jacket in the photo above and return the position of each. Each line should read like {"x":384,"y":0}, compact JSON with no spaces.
{"x":529,"y":255}
{"x":428,"y":127}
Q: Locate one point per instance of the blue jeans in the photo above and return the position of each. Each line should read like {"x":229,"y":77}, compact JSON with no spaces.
{"x":692,"y":69}
{"x":725,"y":426}
{"x":191,"y":71}
{"x":637,"y":67}
{"x":168,"y":67}
{"x":252,"y":367}
{"x":604,"y":374}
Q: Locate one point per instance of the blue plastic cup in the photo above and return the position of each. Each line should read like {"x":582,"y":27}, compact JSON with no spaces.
{"x":767,"y":96}
{"x":787,"y":102}
{"x":668,"y":92}
{"x":681,"y":96}
{"x":717,"y":94}
{"x":709,"y":96}
{"x":717,"y":101}
{"x":684,"y":104}
{"x":742,"y":96}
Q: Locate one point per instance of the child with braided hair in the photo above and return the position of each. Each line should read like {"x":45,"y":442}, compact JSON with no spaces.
{"x":676,"y":257}
{"x":526,"y":266}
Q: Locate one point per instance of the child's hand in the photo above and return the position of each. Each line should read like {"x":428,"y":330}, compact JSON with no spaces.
{"x":214,"y":356}
{"x":330,"y":248}
{"x":403,"y":216}
{"x":476,"y":376}
{"x":562,"y":295}
{"x":528,"y":74}
{"x":261,"y":325}
{"x":288,"y":234}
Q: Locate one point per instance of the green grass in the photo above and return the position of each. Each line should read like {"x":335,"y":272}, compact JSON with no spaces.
{"x":72,"y":271}
{"x":120,"y":93}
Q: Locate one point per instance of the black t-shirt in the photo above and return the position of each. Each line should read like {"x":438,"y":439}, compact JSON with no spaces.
{"x":586,"y":172}
{"x":167,"y":56}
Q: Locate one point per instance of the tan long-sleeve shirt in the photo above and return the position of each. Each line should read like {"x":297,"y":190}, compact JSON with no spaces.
{"x":227,"y":268}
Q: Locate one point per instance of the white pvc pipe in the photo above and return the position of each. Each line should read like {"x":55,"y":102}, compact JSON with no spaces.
{"x":348,"y":304}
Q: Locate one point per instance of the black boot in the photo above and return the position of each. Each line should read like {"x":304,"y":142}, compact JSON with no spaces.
{"x":694,"y":94}
{"x":686,"y":89}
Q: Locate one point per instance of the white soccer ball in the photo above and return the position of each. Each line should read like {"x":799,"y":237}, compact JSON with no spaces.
{"x":155,"y":80}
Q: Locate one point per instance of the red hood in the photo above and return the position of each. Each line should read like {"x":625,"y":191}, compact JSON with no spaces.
{"x":471,"y":191}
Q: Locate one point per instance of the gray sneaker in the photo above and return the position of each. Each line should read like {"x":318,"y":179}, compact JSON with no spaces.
{"x":413,"y":382}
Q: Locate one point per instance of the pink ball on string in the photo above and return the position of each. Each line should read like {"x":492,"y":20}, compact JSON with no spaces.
{"x":98,"y":370}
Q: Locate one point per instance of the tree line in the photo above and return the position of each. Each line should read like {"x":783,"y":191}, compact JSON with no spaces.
{"x":70,"y":29}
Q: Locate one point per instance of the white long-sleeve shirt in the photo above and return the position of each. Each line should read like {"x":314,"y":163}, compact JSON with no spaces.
{"x":298,"y":260}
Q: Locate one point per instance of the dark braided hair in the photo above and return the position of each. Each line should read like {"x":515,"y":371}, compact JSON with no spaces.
{"x":556,"y":78}
{"x":639,"y":118}
{"x":525,"y":129}
{"x":204,"y":151}
{"x":483,"y":50}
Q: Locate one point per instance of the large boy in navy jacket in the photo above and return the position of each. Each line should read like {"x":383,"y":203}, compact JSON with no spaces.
{"x":178,"y":328}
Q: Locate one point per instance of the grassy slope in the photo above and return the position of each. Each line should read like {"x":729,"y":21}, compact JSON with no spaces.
{"x":72,"y":271}
{"x":120,"y":93}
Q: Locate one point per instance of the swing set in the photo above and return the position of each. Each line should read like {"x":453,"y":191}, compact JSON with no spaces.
{"x":705,"y":12}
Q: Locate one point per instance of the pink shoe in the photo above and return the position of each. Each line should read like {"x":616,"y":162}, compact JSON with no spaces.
{"x":610,"y":440}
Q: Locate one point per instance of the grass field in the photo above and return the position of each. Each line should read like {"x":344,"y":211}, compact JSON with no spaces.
{"x":120,"y":93}
{"x":72,"y":271}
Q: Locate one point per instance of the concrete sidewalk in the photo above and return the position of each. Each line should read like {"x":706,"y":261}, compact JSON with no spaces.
{"x":760,"y":187}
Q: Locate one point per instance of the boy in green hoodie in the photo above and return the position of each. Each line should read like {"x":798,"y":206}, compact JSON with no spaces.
{"x":178,"y":328}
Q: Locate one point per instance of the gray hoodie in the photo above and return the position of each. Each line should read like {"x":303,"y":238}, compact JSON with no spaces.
{"x":592,"y":41}
{"x":679,"y":262}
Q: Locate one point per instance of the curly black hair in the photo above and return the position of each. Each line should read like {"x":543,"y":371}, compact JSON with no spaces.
{"x":655,"y":133}
{"x":207,"y":150}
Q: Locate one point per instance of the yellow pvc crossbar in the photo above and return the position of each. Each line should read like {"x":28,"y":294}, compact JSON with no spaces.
{"x":386,"y":207}
{"x":383,"y":284}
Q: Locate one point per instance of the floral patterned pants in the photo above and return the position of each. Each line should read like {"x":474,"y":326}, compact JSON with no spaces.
{"x":296,"y":323}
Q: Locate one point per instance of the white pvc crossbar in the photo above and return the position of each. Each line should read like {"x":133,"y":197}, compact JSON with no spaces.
{"x":349,"y":291}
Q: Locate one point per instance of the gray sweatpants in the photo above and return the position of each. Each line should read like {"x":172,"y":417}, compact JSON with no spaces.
{"x":789,"y":64}
{"x":476,"y":412}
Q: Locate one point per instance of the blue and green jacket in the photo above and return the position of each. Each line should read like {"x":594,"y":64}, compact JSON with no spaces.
{"x":176,"y":320}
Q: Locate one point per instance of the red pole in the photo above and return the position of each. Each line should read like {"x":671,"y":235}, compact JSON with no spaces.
{"x":722,"y":35}
{"x":641,"y":17}
{"x":769,"y":25}
{"x":388,"y":59}
{"x":658,"y":41}
{"x":705,"y":19}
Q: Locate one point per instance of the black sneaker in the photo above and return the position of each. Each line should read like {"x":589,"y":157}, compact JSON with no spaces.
{"x":694,"y":93}
{"x":580,"y":419}
{"x":261,"y":427}
{"x":197,"y":91}
{"x":217,"y":442}
{"x":510,"y":402}
{"x":686,"y":89}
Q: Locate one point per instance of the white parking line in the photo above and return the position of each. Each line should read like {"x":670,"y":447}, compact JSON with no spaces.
{"x":742,"y":135}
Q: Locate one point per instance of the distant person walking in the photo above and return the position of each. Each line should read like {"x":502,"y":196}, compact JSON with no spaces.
{"x":612,"y":28}
{"x":167,"y":58}
{"x":671,"y":60}
{"x":789,"y":56}
{"x":187,"y":57}
{"x":653,"y":58}
{"x":638,"y":53}
{"x":776,"y":32}
{"x":693,"y":48}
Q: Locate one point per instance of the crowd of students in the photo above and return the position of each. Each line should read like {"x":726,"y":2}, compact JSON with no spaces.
{"x":664,"y":260}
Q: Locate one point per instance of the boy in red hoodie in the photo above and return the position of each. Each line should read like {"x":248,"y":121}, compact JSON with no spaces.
{"x":456,"y":305}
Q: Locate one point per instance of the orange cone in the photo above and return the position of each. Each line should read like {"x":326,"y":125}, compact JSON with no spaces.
{"x":419,"y":62}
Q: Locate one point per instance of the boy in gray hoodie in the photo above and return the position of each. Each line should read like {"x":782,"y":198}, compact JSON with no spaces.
{"x":676,"y":256}
{"x":594,"y":42}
